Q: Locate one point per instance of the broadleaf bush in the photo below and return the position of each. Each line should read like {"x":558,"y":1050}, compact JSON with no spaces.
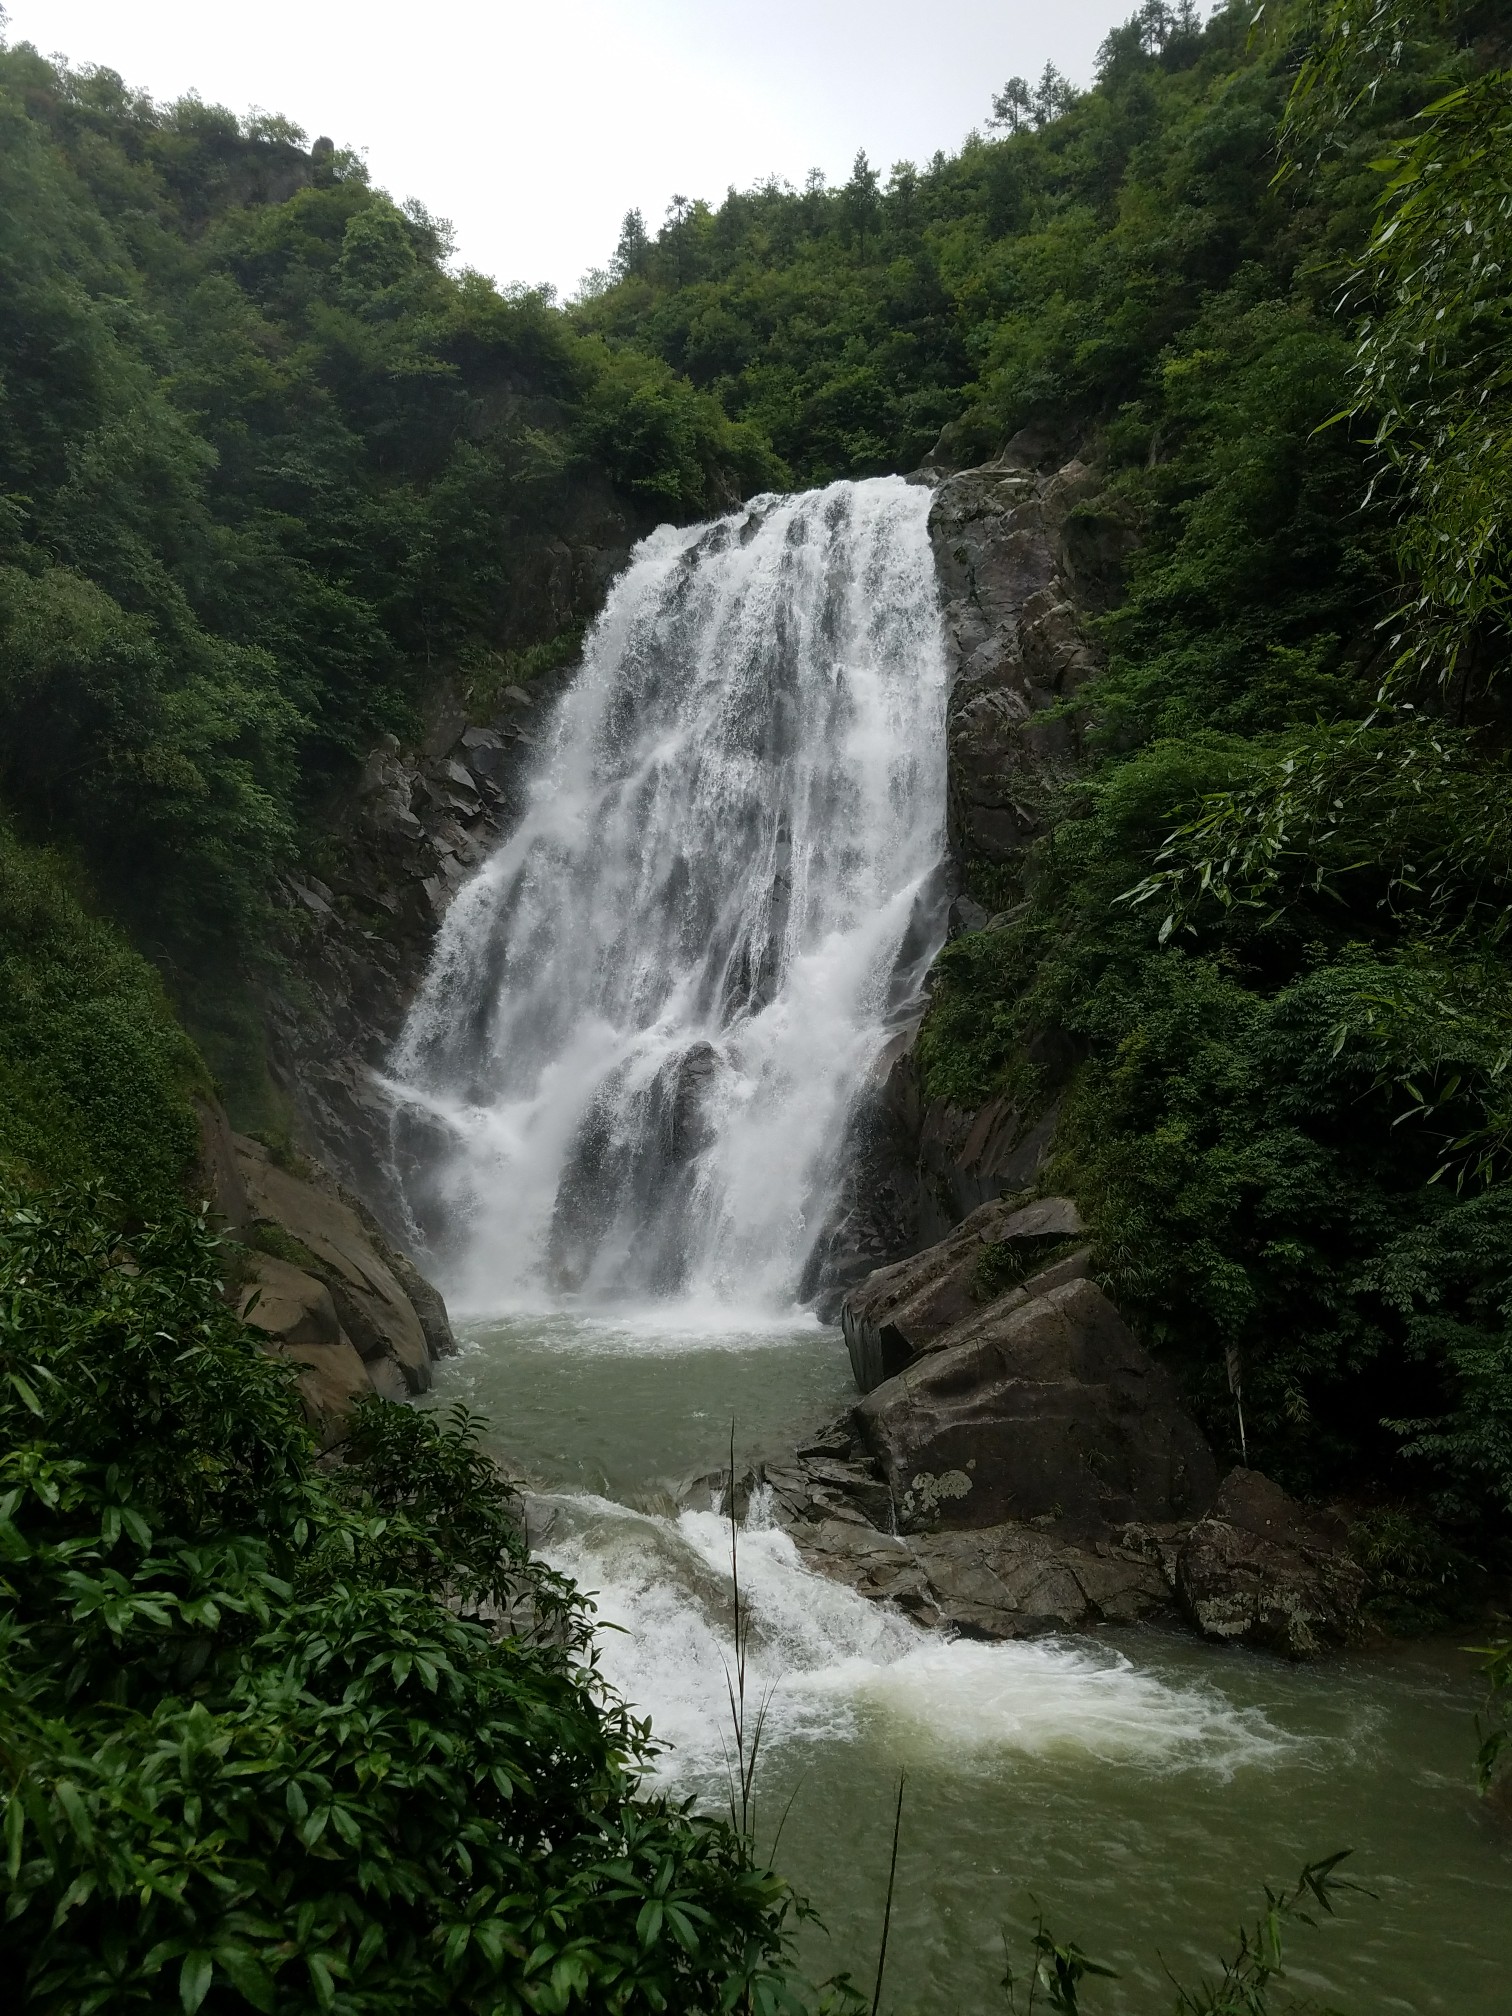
{"x":284,"y":1736}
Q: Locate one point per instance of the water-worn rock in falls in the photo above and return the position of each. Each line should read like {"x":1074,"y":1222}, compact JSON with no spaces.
{"x":1257,"y":1569}
{"x":1044,"y":1409}
{"x":1017,"y":1579}
{"x":1008,"y":1581}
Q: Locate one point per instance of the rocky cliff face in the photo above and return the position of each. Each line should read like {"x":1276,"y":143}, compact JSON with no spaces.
{"x":307,"y":1265}
{"x":1026,"y":551}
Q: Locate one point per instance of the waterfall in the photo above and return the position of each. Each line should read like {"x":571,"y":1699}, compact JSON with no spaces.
{"x":649,"y":1017}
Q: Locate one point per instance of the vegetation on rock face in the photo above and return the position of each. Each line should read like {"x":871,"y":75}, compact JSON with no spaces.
{"x":279,"y":1737}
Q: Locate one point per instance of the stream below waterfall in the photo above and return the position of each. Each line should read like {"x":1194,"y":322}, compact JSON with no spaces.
{"x":626,"y":1101}
{"x":1139,"y":1786}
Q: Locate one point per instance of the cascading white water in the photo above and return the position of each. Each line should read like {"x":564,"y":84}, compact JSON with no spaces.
{"x":650,"y":1015}
{"x":823,"y":1657}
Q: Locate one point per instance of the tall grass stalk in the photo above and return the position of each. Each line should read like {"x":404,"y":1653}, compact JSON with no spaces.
{"x":892,"y":1879}
{"x":741,"y":1768}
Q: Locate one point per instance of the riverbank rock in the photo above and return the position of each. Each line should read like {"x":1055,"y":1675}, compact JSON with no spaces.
{"x":323,"y":1235}
{"x":901,"y":1311}
{"x":1039,"y":1408}
{"x":1264,"y":1570}
{"x":315,"y":1275}
{"x":295,"y":1312}
{"x":1023,"y":1578}
{"x":1007,"y":1581}
{"x":1017,"y":1579}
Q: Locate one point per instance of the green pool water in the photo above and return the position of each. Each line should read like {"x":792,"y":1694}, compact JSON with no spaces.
{"x":1137,"y":1786}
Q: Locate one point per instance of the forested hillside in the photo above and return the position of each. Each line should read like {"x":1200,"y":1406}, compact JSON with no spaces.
{"x":268,"y":471}
{"x":273,"y":473}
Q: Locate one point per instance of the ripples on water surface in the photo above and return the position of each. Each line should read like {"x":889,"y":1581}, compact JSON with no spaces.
{"x":1141,"y":1786}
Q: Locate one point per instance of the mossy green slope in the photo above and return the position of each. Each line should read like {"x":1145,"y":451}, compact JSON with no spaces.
{"x":96,"y":1076}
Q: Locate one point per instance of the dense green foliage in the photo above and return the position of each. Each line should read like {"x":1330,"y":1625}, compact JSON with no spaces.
{"x":268,"y":471}
{"x":1262,"y":955}
{"x":260,"y":1745}
{"x":95,"y":1074}
{"x":1433,"y":369}
{"x":1039,"y":276}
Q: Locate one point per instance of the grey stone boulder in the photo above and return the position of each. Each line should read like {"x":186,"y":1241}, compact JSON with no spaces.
{"x":1008,"y":1581}
{"x":1037,"y":1408}
{"x":902,"y":1311}
{"x":296,"y":1315}
{"x":1263,"y":1570}
{"x":1016,"y":1581}
{"x":331,"y":1242}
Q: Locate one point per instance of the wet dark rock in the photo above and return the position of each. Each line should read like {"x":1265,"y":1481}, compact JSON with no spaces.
{"x":1016,"y":579}
{"x":1053,"y":1571}
{"x":1040,"y":1407}
{"x":966,"y":914}
{"x":632,"y":1163}
{"x":685,"y":1123}
{"x":903,"y":1310}
{"x":1264,"y":1570}
{"x":1012,"y":1580}
{"x":876,"y":1211}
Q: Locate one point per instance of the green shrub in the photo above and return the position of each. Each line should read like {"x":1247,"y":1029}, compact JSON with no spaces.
{"x":278,"y":1739}
{"x":95,"y":1075}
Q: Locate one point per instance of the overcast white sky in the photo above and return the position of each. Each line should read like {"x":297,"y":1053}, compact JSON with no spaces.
{"x":534,"y":127}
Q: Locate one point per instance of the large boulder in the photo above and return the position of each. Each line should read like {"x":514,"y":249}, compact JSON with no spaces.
{"x":295,"y":1313}
{"x":900,"y":1312}
{"x":1262,"y":1569}
{"x":315,"y":1274}
{"x":1020,"y":1581}
{"x":319,"y":1232}
{"x":1045,"y":1408}
{"x":1013,"y":1580}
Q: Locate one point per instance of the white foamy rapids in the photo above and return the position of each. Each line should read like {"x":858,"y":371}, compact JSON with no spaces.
{"x":649,"y":1017}
{"x":829,"y":1663}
